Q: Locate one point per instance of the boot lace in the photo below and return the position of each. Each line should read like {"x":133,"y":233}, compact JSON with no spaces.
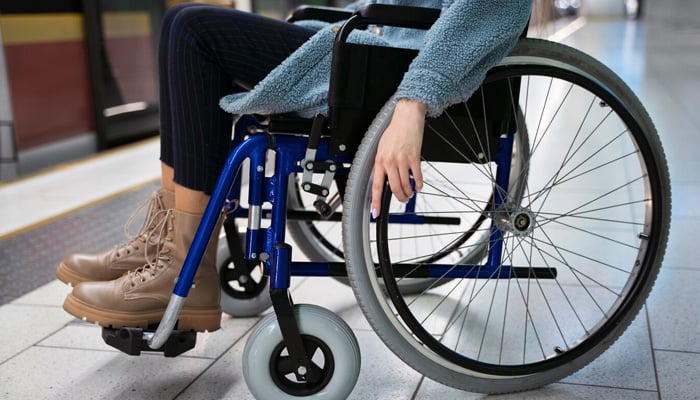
{"x":162,"y":257}
{"x":146,"y":232}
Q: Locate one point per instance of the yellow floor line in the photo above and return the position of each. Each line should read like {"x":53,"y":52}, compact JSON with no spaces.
{"x":66,"y":213}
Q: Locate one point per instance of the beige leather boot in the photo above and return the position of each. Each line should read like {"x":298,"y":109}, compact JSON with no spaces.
{"x":115,"y":262}
{"x":139,"y":298}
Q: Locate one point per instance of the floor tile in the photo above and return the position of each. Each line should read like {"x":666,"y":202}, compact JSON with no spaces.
{"x":680,"y":250}
{"x":81,"y":335}
{"x":627,"y":364}
{"x":678,"y":375}
{"x":685,"y":200}
{"x":431,"y":390}
{"x":223,"y":379}
{"x":673,"y":311}
{"x":22,"y":326}
{"x":52,"y":373}
{"x":51,"y":294}
{"x":383,"y":374}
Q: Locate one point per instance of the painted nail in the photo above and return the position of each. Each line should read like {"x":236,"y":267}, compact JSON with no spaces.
{"x":375,"y":214}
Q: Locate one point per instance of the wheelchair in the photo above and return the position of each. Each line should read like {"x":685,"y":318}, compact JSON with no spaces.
{"x":538,"y":234}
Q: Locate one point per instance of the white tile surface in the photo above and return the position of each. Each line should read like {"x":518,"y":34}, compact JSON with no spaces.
{"x":678,"y":374}
{"x":54,"y":373}
{"x":22,"y":326}
{"x":673,"y":311}
{"x":51,"y":294}
{"x":431,"y":390}
{"x":224,"y":380}
{"x":681,"y":249}
{"x":612,"y":368}
{"x":380,"y":366}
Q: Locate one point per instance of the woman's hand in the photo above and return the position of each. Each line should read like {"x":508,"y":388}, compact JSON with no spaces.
{"x":398,"y":153}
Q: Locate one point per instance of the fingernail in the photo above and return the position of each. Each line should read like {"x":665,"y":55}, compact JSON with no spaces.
{"x":374,"y":213}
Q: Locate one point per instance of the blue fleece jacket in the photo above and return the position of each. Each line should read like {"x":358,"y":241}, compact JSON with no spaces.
{"x":469,"y":38}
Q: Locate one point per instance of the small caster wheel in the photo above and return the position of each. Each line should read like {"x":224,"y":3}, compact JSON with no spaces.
{"x":243,"y":293}
{"x":330,"y":344}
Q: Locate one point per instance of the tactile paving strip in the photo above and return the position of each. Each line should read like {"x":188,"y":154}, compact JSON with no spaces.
{"x":29,"y":260}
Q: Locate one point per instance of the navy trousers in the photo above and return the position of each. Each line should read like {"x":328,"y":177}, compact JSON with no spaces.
{"x":206,"y":52}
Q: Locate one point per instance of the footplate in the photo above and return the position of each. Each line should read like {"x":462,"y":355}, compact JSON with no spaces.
{"x":133,"y":341}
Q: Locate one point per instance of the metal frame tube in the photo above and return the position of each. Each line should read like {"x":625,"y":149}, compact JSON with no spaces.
{"x":253,"y":145}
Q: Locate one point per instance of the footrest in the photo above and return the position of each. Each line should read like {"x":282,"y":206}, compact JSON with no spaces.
{"x":133,"y":341}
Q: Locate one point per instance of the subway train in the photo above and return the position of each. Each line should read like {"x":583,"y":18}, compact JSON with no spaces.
{"x":78,"y":77}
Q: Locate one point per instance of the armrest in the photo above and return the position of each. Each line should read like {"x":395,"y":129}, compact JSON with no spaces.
{"x":385,"y":14}
{"x":401,"y":16}
{"x":381,"y":14}
{"x":326,"y":14}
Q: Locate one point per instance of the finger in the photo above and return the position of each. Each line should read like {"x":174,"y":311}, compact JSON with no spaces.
{"x":417,"y":176}
{"x":405,"y":178}
{"x":396,"y":186}
{"x":377,"y":189}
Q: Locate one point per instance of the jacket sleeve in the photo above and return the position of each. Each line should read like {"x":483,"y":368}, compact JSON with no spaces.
{"x":470,"y":37}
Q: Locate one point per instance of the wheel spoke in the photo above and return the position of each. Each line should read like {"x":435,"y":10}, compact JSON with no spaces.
{"x":285,"y":365}
{"x":229,"y":274}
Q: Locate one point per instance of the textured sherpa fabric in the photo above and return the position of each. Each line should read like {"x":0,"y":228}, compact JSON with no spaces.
{"x":470,"y":37}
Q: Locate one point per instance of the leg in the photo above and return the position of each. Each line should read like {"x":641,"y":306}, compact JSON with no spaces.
{"x":205,"y":49}
{"x":210,"y":52}
{"x":225,"y":51}
{"x":113,"y":263}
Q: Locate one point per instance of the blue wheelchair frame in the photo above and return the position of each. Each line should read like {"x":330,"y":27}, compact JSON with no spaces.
{"x":268,"y":245}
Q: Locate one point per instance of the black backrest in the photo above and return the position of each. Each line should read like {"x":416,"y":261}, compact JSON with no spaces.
{"x":364,"y":77}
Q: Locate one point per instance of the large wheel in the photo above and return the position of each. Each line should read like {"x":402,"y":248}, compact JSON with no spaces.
{"x":330,"y":344}
{"x":586,"y":237}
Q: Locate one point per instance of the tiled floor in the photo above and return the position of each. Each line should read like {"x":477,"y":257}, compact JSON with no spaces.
{"x":47,"y":354}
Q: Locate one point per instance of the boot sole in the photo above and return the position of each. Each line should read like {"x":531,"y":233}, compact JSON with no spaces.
{"x":191,"y":319}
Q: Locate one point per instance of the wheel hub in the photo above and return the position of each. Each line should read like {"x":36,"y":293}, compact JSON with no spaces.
{"x":519,"y":221}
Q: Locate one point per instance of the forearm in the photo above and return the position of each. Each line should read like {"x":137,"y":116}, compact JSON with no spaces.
{"x":413,"y":106}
